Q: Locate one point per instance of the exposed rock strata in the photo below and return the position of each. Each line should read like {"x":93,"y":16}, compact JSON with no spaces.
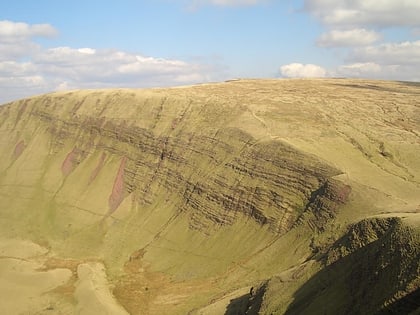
{"x":190,"y":196}
{"x":268,"y":181}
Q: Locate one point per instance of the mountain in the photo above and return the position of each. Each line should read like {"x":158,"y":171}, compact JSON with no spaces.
{"x":243,"y":197}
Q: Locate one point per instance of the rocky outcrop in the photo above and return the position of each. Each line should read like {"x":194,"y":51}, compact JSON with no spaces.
{"x":373,"y":269}
{"x":324,"y":204}
{"x":220,"y":187}
{"x":217,"y":175}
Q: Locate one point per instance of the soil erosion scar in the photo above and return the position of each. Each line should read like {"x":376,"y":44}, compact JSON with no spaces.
{"x":117,"y":194}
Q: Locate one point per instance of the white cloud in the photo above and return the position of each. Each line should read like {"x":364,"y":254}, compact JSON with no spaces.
{"x":15,"y":38}
{"x":383,"y":13}
{"x":391,"y":61}
{"x":343,"y":38}
{"x":405,"y":53}
{"x":26,"y":68}
{"x":378,"y":71}
{"x":359,"y":26}
{"x":13,"y":68}
{"x":88,"y":51}
{"x":103,"y":67}
{"x":17,"y":30}
{"x":359,"y":69}
{"x":298,"y":70}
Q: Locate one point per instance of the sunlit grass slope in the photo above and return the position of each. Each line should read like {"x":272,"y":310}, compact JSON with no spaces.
{"x":191,"y":196}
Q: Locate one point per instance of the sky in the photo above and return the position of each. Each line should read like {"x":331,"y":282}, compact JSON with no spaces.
{"x":50,"y":45}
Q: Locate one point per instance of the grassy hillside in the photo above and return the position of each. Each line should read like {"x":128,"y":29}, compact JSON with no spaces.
{"x":181,"y":200}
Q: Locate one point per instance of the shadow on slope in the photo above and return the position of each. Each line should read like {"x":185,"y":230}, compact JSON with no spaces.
{"x":409,"y":304}
{"x":373,"y":269}
{"x":248,"y":304}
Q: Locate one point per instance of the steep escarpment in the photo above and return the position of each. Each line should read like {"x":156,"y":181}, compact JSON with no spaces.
{"x":372,"y":269}
{"x":368,"y":270}
{"x":324,"y":204}
{"x":253,"y":196}
{"x":214,"y":175}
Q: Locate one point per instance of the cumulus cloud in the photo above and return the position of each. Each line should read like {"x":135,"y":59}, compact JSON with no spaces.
{"x":358,"y":28}
{"x":14,"y":31}
{"x":378,"y":71}
{"x":383,"y":13}
{"x":86,"y":67}
{"x":15,"y":38}
{"x":298,"y":70}
{"x":26,"y":68}
{"x":359,"y":69}
{"x":404,"y":53}
{"x":391,"y":61}
{"x":343,"y":38}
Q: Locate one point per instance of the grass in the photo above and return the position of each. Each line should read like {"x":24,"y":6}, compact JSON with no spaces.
{"x":215,"y":178}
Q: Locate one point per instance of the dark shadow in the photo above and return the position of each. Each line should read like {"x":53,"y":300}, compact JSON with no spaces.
{"x":248,"y":304}
{"x":406,"y":305}
{"x":410,"y":83}
{"x":238,"y":306}
{"x":383,"y":88}
{"x":368,"y":87}
{"x":364,"y":280}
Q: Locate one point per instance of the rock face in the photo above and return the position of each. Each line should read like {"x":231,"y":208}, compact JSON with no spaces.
{"x":220,"y":187}
{"x":268,"y":181}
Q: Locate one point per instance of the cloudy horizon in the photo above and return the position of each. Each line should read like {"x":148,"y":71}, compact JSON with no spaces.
{"x":170,"y":43}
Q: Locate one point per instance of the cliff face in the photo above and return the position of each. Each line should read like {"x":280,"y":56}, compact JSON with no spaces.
{"x":214,"y":175}
{"x":203,"y":189}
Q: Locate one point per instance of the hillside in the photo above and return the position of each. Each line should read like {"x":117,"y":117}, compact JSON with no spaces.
{"x":248,"y":196}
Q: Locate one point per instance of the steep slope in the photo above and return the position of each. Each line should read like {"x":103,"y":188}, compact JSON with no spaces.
{"x":377,"y":261}
{"x":189,"y":195}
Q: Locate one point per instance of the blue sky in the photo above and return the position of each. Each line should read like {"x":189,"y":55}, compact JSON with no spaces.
{"x":58,"y":45}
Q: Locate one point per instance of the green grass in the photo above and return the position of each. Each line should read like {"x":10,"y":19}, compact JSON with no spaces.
{"x":216,"y":178}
